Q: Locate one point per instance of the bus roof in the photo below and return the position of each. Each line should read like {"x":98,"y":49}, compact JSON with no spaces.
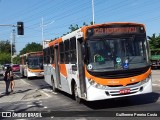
{"x":84,"y":28}
{"x":31,"y":53}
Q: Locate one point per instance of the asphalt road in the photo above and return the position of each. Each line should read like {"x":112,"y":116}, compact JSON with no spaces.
{"x":61,"y":102}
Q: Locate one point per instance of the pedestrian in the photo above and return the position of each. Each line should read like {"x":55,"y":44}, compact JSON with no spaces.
{"x":7,"y":79}
{"x":11,"y":80}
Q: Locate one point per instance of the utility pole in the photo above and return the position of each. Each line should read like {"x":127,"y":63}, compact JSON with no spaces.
{"x":93,"y":11}
{"x":42,"y":29}
{"x":12,"y":44}
{"x":20,"y":30}
{"x":43,"y":25}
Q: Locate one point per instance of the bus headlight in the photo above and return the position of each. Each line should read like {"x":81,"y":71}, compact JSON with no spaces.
{"x":92,"y":82}
{"x":146,"y":80}
{"x":97,"y":85}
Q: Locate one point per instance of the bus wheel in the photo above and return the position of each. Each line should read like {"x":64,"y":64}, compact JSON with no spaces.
{"x":78,"y":100}
{"x":54,"y":89}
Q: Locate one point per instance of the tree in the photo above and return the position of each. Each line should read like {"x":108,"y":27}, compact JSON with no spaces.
{"x":5,"y":51}
{"x":84,"y":24}
{"x":73,"y":28}
{"x":31,"y":47}
{"x":5,"y":58}
{"x":154,"y":41}
{"x":16,"y":60}
{"x":5,"y":47}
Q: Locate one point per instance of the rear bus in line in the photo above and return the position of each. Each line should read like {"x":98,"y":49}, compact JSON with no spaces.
{"x":101,"y":61}
{"x":31,"y":64}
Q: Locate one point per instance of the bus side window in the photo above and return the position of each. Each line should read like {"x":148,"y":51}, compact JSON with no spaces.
{"x":73,"y":54}
{"x":48,"y":55}
{"x":51,"y":54}
{"x":61,"y":52}
{"x":44,"y":55}
{"x":66,"y":48}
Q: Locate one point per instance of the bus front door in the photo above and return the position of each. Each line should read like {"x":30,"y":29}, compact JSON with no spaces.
{"x":57,"y":70}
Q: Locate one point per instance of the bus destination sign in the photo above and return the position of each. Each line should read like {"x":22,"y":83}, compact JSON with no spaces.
{"x":116,"y":30}
{"x":36,"y":54}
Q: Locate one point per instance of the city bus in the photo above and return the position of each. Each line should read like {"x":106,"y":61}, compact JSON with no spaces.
{"x":31,"y":64}
{"x":101,"y":61}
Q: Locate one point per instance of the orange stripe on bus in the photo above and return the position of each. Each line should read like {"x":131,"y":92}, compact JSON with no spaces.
{"x":55,"y":41}
{"x":120,"y":81}
{"x":63,"y":70}
{"x":37,"y":70}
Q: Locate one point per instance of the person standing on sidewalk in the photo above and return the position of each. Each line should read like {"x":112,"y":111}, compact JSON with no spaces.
{"x":7,"y":79}
{"x":11,"y":80}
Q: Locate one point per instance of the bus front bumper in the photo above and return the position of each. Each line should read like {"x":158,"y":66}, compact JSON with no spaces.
{"x":94,"y":93}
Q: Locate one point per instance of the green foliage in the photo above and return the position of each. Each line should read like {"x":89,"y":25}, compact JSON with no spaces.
{"x":16,"y":60}
{"x":154,"y":42}
{"x":75,"y":27}
{"x":5,"y":51}
{"x":5,"y":58}
{"x":5,"y":47}
{"x":31,"y":47}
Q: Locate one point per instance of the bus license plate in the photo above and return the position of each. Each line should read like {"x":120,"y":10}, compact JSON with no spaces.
{"x":124,"y":91}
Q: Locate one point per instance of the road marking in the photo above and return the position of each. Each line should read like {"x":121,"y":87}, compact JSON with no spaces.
{"x":31,"y":106}
{"x":41,"y":104}
{"x":45,"y":93}
{"x":80,"y":119}
{"x":49,"y":90}
{"x":45,"y":107}
{"x":25,"y":82}
{"x":155,"y":84}
{"x":11,"y":110}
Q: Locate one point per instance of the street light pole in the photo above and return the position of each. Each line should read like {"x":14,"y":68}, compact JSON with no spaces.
{"x":12,"y":43}
{"x":11,"y":47}
{"x":42,"y":29}
{"x":93,"y":11}
{"x":43,"y":25}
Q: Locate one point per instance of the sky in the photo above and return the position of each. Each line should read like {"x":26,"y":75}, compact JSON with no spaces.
{"x":58,"y":15}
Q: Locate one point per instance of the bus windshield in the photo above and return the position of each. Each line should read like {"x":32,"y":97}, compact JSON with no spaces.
{"x":110,"y":54}
{"x":35,"y":62}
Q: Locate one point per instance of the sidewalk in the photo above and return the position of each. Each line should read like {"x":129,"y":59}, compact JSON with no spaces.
{"x":22,"y":92}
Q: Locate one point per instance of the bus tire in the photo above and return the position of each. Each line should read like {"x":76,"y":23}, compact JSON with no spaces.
{"x":77,"y":98}
{"x":54,"y":89}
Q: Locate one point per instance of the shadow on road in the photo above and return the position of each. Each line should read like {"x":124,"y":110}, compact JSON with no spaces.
{"x":119,"y":102}
{"x":15,"y":92}
{"x":124,"y":102}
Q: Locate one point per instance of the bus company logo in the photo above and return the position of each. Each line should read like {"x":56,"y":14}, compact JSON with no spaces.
{"x":133,"y":79}
{"x":113,"y":82}
{"x":6,"y":114}
{"x":21,"y":115}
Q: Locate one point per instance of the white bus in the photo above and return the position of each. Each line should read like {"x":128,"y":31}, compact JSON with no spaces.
{"x":102,"y":61}
{"x":31,"y":64}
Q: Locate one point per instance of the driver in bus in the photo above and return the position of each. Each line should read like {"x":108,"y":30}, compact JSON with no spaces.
{"x":100,"y":54}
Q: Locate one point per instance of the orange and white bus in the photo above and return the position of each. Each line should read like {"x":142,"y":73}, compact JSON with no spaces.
{"x":31,"y":64}
{"x":101,"y":61}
